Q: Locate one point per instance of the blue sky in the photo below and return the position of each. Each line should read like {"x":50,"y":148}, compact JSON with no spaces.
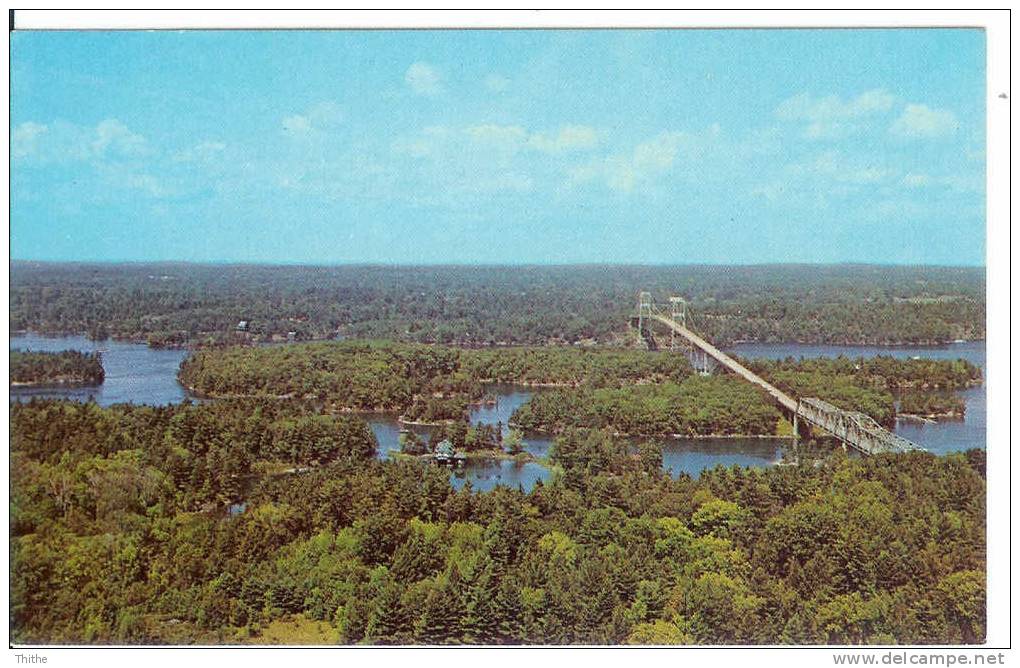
{"x":414,"y":147}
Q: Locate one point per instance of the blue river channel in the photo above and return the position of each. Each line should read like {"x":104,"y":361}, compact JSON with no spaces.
{"x":139,"y":374}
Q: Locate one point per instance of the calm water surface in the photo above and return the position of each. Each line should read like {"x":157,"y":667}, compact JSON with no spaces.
{"x":134,"y":372}
{"x":139,"y":374}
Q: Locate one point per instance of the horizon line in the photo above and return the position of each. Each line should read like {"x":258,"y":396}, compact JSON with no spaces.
{"x":301,"y":263}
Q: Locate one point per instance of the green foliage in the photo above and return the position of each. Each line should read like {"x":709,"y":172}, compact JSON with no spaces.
{"x":69,"y":367}
{"x":425,"y":383}
{"x":937,"y":404}
{"x":412,"y":444}
{"x":514,"y":442}
{"x":866,"y":384}
{"x":697,"y":406}
{"x":119,"y":536}
{"x":169,"y":304}
{"x":880,"y":371}
{"x":77,"y":459}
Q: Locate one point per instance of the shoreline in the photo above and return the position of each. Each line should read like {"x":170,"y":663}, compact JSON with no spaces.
{"x":523,"y":457}
{"x":675,"y":437}
{"x":56,"y":383}
{"x":932,"y":418}
{"x":195,"y":345}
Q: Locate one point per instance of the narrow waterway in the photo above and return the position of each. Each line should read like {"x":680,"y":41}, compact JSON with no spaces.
{"x":139,"y":374}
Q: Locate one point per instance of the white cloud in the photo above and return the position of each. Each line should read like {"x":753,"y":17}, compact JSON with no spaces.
{"x":297,"y":124}
{"x":200,"y":152}
{"x":63,"y":142}
{"x":488,"y":158}
{"x":506,"y":181}
{"x":626,"y":171}
{"x":770,"y":191}
{"x":423,"y":79}
{"x":921,"y":121}
{"x":112,"y":136}
{"x":425,"y":144}
{"x":500,"y":137}
{"x":570,"y":137}
{"x":961,"y":182}
{"x":659,"y":153}
{"x":834,"y":167}
{"x":832,"y":117}
{"x":321,"y":116}
{"x":503,"y":140}
{"x":110,"y":156}
{"x":24,"y":139}
{"x":915,"y":180}
{"x":512,"y":138}
{"x":128,"y":176}
{"x":496,"y":83}
{"x":808,"y":108}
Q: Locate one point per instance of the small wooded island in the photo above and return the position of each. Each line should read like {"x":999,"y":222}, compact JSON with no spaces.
{"x":68,"y":367}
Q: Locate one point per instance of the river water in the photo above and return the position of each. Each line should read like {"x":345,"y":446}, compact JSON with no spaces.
{"x":139,"y":374}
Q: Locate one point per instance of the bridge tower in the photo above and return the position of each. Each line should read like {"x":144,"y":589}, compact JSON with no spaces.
{"x":644,"y":310}
{"x":678,"y":312}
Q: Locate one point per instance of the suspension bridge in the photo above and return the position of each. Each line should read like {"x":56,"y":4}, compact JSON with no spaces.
{"x":852,"y":428}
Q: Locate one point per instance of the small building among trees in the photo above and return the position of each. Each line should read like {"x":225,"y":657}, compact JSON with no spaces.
{"x":444,"y":453}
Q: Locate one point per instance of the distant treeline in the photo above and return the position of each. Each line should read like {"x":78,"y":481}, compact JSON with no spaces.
{"x":183,"y":304}
{"x":120,"y":534}
{"x":66,"y":367}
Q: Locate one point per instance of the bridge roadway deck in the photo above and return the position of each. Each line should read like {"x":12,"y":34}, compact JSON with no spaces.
{"x":854,"y":429}
{"x":785,"y":400}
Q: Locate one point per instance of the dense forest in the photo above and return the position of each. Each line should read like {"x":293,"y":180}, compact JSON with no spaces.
{"x":726,"y":405}
{"x":873,"y":385}
{"x":120,"y":533}
{"x":266,"y":515}
{"x":423,"y":382}
{"x":184,"y":304}
{"x":698,"y":406}
{"x":70,"y":367}
{"x":626,"y":391}
{"x":880,"y":371}
{"x":932,"y":405}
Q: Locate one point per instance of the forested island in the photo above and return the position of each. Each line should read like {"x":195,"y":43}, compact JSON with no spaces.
{"x":168,"y":304}
{"x":120,"y":534}
{"x":422,"y":382}
{"x":68,"y":367}
{"x":627,"y":391}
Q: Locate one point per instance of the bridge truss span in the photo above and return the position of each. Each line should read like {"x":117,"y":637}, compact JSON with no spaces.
{"x":853,"y":428}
